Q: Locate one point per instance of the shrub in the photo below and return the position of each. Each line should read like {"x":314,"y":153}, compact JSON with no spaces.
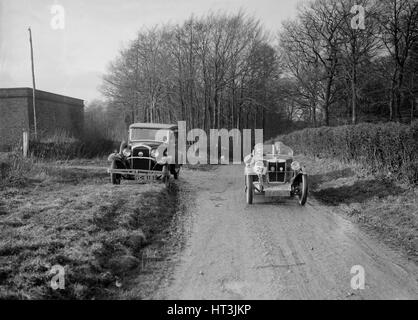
{"x":390,"y":148}
{"x":14,"y":169}
{"x":65,"y":147}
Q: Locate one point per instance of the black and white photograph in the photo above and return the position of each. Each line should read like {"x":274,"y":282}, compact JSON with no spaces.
{"x":230,"y":151}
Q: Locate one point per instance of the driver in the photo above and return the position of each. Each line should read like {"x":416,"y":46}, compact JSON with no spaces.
{"x":256,"y":154}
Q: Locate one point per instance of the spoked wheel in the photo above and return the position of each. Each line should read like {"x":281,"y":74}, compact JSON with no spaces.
{"x":250,"y":189}
{"x":303,"y":190}
{"x":114,"y":177}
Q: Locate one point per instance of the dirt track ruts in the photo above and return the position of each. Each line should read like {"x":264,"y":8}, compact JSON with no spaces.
{"x":276,"y":249}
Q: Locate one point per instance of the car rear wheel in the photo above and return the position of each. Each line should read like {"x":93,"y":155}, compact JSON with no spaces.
{"x":166,"y":180}
{"x":303,"y":188}
{"x":250,"y":189}
{"x":114,"y":177}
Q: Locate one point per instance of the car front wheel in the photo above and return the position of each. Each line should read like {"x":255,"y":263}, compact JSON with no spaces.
{"x":114,"y":177}
{"x":250,"y":189}
{"x":303,"y":188}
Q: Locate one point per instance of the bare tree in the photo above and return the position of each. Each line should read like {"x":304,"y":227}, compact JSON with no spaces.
{"x":399,"y":32}
{"x":214,"y":71}
{"x":314,"y":38}
{"x":358,"y":46}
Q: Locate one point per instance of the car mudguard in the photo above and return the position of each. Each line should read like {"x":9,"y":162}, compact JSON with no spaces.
{"x":114,"y":156}
{"x":249,"y":170}
{"x":298,"y":178}
{"x":118,"y":159}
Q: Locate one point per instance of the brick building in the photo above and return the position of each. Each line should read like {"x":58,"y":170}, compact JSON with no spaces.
{"x":54,"y":113}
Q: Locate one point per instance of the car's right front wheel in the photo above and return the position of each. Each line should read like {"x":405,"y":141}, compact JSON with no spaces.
{"x":114,"y":177}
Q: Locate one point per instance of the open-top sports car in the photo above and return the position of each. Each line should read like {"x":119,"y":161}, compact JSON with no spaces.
{"x":140,"y":158}
{"x":270,"y":170}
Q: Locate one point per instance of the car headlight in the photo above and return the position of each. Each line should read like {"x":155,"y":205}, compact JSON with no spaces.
{"x":248,"y":160}
{"x":126,"y":152}
{"x":295,"y":166}
{"x":259,"y":167}
{"x":163,"y":160}
{"x":154,"y":153}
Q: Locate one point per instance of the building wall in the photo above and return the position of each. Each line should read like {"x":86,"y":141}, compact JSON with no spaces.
{"x":13,"y":117}
{"x":54,"y":113}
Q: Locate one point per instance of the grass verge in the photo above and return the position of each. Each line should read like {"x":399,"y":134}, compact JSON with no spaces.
{"x":385,"y":208}
{"x":75,"y":218}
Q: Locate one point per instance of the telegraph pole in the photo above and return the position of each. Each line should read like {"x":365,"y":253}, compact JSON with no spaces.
{"x":33,"y":85}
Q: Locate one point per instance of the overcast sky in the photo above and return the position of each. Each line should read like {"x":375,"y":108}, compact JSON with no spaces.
{"x":71,"y":61}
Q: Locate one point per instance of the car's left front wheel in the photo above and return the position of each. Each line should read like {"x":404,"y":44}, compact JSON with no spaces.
{"x":303,"y":188}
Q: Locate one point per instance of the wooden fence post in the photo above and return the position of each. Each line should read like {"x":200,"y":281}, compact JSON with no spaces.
{"x":25,"y":144}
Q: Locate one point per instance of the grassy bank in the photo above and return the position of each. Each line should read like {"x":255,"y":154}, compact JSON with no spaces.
{"x":369,"y":172}
{"x":73,"y":217}
{"x":381,"y":206}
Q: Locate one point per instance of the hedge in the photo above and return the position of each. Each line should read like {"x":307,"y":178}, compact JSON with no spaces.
{"x":71,"y":149}
{"x":388,"y":148}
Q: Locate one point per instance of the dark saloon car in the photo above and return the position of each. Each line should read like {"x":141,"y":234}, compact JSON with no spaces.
{"x":144,"y":157}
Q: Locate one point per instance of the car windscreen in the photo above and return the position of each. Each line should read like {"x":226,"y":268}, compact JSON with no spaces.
{"x":138,"y":134}
{"x":277,"y":148}
{"x":282,"y":149}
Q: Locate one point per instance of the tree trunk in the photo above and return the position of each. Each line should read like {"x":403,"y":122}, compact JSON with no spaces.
{"x":413,"y":100}
{"x":392,"y":99}
{"x":327,"y":99}
{"x":399,"y":94}
{"x":354,"y":95}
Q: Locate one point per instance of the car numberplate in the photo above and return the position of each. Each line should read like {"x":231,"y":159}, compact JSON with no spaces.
{"x":145,"y":177}
{"x":277,"y":191}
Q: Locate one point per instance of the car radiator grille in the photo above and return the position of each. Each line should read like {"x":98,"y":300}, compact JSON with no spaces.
{"x":276,"y":172}
{"x":144,"y":164}
{"x":145,"y":151}
{"x":141,"y":164}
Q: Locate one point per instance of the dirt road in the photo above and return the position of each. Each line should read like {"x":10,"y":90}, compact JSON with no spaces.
{"x":277,"y":249}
